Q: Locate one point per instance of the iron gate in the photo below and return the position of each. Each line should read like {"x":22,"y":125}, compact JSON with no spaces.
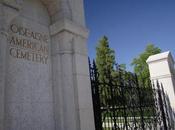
{"x":121,"y":103}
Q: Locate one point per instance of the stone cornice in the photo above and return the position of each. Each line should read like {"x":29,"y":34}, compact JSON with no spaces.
{"x":67,"y":25}
{"x":162,"y":77}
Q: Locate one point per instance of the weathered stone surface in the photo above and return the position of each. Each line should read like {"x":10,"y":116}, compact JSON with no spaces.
{"x":165,"y":63}
{"x":44,"y":77}
{"x":28,"y":91}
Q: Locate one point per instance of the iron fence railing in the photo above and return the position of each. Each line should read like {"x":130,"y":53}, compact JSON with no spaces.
{"x":121,"y":103}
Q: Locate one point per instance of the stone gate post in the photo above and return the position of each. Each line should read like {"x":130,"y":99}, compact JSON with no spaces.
{"x":161,"y":67}
{"x":44,"y":76}
{"x":70,"y":69}
{"x":3,"y":38}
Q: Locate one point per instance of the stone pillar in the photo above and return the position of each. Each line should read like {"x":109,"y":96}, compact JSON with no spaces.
{"x":161,"y":67}
{"x":34,"y":94}
{"x":3,"y":38}
{"x":6,"y":15}
{"x":72,"y":91}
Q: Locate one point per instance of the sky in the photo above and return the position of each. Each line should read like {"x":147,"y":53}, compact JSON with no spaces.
{"x":130,"y":25}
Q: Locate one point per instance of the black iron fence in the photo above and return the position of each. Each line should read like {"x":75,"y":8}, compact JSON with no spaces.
{"x":121,"y":103}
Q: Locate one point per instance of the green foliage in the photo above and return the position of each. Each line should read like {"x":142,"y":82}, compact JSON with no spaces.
{"x":140,"y":65}
{"x":123,"y":66}
{"x":105,"y":59}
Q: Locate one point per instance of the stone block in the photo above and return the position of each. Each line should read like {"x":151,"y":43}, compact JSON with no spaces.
{"x":44,"y":76}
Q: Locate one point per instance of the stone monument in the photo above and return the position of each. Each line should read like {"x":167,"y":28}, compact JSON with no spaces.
{"x":161,"y":67}
{"x":44,"y":77}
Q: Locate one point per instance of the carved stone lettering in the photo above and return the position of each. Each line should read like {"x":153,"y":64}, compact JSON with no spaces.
{"x":28,"y":45}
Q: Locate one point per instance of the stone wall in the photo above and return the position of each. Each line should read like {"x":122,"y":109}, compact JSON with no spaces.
{"x":44,"y":76}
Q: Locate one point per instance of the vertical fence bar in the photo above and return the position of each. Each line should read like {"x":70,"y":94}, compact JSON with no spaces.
{"x":95,"y":96}
{"x":140,"y":105}
{"x":162,"y":107}
{"x":155,"y":107}
{"x":122,"y":87}
{"x":112,"y":102}
{"x":166,"y":108}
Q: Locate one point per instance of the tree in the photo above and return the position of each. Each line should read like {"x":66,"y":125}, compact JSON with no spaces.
{"x":140,"y":65}
{"x":105,"y":59}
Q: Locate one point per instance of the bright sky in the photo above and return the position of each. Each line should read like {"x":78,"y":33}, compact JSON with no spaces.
{"x":130,"y":25}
